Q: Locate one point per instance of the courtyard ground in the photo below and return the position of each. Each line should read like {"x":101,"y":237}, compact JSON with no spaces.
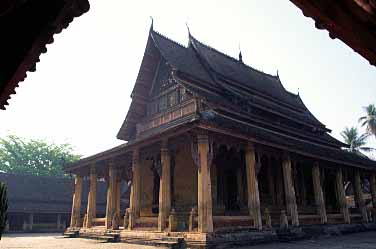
{"x":366,"y":240}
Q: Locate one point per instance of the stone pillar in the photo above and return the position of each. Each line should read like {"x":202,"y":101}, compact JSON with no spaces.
{"x":205,"y":218}
{"x":134,"y":200}
{"x":358,"y":196}
{"x":92,"y":198}
{"x":342,"y":196}
{"x":271,"y":181}
{"x":164,"y":188}
{"x":117,"y":197}
{"x":319,"y":195}
{"x":110,"y":207}
{"x":6,"y":229}
{"x":214,"y":183}
{"x":373,"y":189}
{"x":76,"y":204}
{"x":279,"y":184}
{"x":58,"y":221}
{"x":290,"y":198}
{"x":31,"y":221}
{"x":252,"y":186}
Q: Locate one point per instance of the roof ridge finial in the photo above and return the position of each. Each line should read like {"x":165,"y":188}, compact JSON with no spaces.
{"x":240,"y":54}
{"x":189,"y":31}
{"x":277,"y":74}
{"x":298,"y":92}
{"x":152,"y":23}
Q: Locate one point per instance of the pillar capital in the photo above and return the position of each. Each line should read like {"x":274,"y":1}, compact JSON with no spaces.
{"x":202,"y":138}
{"x":135,"y":155}
{"x":249,"y":147}
{"x":286,"y":156}
{"x":93,"y":170}
{"x":164,"y":145}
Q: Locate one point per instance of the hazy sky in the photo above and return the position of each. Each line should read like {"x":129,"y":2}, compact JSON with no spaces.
{"x":81,"y":90}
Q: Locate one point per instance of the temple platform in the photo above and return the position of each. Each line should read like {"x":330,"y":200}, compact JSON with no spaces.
{"x":220,"y":239}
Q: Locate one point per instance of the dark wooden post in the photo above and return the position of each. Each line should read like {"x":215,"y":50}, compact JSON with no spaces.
{"x":76,"y":204}
{"x":341,"y":196}
{"x":205,"y":217}
{"x":92,"y":197}
{"x":134,"y":202}
{"x":358,"y":196}
{"x":319,"y":196}
{"x":110,"y":207}
{"x":291,"y":206}
{"x":165,"y":188}
{"x":252,"y":186}
{"x":271,"y":181}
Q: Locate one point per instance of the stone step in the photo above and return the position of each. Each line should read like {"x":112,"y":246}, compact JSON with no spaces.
{"x":71,"y":234}
{"x":169,"y":242}
{"x":104,"y":238}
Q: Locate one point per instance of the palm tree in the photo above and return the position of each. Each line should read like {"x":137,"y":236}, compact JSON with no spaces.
{"x":355,"y":140}
{"x":369,"y":120}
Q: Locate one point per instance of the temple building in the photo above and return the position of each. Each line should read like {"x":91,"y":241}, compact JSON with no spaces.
{"x":215,"y":146}
{"x":43,"y":203}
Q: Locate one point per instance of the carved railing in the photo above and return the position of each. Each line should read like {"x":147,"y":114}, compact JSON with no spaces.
{"x":181,"y":110}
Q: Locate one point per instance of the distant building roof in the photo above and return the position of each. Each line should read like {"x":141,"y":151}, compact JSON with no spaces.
{"x":47,"y":194}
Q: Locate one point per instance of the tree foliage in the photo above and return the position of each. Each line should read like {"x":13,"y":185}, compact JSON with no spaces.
{"x":3,"y":207}
{"x":36,"y":157}
{"x":369,"y":120}
{"x":355,"y":140}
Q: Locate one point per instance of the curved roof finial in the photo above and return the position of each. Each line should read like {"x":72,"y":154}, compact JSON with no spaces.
{"x":152,"y":22}
{"x":189,"y":32}
{"x":240,"y":54}
{"x":298,"y":92}
{"x":277,"y":73}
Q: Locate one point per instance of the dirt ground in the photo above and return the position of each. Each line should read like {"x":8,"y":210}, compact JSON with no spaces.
{"x":365,"y":240}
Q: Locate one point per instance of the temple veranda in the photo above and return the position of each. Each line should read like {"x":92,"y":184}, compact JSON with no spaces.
{"x":198,"y":183}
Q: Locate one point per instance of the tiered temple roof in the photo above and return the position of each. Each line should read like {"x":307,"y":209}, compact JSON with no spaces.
{"x":234,"y":98}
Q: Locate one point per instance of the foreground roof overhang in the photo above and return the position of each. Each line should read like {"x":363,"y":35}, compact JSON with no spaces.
{"x":27,"y":26}
{"x":352,"y":21}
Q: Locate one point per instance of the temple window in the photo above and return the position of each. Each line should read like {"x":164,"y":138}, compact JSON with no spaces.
{"x":163,"y":103}
{"x":183,"y":94}
{"x":167,"y":100}
{"x":172,"y":98}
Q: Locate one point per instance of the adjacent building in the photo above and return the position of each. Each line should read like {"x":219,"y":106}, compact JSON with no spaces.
{"x":43,"y":203}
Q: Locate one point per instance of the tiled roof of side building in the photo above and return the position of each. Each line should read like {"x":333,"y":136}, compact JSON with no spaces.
{"x":29,"y":193}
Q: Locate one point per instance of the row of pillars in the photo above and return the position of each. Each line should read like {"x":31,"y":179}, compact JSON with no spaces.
{"x":205,"y":218}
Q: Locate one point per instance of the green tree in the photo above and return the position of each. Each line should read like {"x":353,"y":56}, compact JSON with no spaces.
{"x":3,"y":207}
{"x":36,"y":157}
{"x":369,"y":120}
{"x":355,"y":140}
